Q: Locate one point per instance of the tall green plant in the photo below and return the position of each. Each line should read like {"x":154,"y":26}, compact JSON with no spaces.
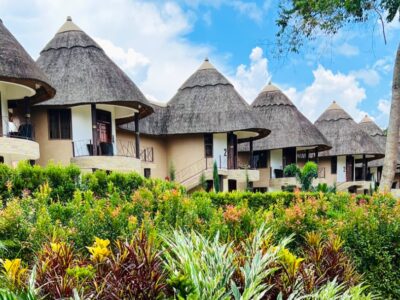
{"x":217,"y":186}
{"x":172,"y":172}
{"x":203,"y":181}
{"x":304,"y":175}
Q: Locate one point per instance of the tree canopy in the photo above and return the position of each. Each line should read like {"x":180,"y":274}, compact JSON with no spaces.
{"x":301,"y":20}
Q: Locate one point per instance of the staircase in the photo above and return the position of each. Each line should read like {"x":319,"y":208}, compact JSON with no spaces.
{"x":189,"y":176}
{"x":359,"y":185}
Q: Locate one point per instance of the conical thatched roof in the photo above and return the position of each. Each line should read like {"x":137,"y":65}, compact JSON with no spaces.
{"x":206,"y":103}
{"x":345,"y":135}
{"x":82,"y":73}
{"x":17,"y":66}
{"x":370,"y":127}
{"x":289,"y":127}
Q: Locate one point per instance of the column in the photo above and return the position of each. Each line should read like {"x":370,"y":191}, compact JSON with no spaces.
{"x":364,"y":167}
{"x":251,"y":154}
{"x":94,"y":128}
{"x":137,"y":136}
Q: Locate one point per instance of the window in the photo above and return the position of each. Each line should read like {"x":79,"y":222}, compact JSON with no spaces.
{"x":333,"y":164}
{"x":60,"y":124}
{"x":208,"y":145}
{"x":147,"y":172}
{"x":260,"y":159}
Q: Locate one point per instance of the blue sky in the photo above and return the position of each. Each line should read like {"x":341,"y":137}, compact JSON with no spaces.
{"x":160,"y":43}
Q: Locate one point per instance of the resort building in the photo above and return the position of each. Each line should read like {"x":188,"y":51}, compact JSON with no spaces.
{"x":375,"y":167}
{"x":350,"y":146}
{"x":22,"y":84}
{"x":293,"y":140}
{"x":203,"y":123}
{"x":94,"y":96}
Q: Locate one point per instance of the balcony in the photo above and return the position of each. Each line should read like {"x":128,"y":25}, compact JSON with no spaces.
{"x":17,"y":142}
{"x":104,"y":157}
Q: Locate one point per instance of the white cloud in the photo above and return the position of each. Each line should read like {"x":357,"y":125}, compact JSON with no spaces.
{"x":129,"y":60}
{"x":369,"y":76}
{"x":348,"y":50}
{"x":326,"y":87}
{"x":384,"y":106}
{"x":249,"y":80}
{"x":148,"y":40}
{"x":249,"y":9}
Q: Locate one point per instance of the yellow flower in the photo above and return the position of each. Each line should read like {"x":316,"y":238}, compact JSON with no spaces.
{"x":290,"y":261}
{"x":99,"y":251}
{"x":56,"y":247}
{"x":14,"y":271}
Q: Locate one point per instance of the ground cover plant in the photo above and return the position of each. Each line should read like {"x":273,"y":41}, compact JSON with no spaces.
{"x":116,"y":228}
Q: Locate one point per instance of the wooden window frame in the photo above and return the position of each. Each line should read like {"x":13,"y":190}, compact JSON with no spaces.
{"x":208,"y":135}
{"x":58,"y":110}
{"x":334,"y":165}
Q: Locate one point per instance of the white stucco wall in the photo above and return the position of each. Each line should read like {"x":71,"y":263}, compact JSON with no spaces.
{"x":82,"y":126}
{"x":276,"y":161}
{"x":341,"y":169}
{"x":220,"y":149}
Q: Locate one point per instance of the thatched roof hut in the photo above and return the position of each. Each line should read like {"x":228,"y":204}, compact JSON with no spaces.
{"x":370,"y":127}
{"x":83,"y":74}
{"x":345,"y":135}
{"x":289,"y":127}
{"x":16,"y":66}
{"x":206,"y":103}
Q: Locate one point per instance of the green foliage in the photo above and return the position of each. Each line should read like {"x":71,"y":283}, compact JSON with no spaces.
{"x":368,"y":226}
{"x":291,"y":170}
{"x":217,"y":186}
{"x":303,"y":20}
{"x":172,"y":172}
{"x":203,"y":181}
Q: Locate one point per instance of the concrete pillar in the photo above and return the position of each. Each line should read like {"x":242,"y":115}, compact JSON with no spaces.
{"x":137,"y":136}
{"x":94,"y":128}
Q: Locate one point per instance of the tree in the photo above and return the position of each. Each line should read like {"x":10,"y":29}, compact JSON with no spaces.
{"x":203,"y":181}
{"x":216,"y":177}
{"x":172,"y":172}
{"x":301,"y":20}
{"x":305,"y":175}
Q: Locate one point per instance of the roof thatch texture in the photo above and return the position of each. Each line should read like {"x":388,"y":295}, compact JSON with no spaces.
{"x":345,"y":135}
{"x":83,"y":74}
{"x":17,"y":66}
{"x":206,"y":103}
{"x":289,"y":127}
{"x":370,"y":127}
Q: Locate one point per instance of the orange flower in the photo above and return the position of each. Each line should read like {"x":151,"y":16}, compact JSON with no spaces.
{"x":233,"y":214}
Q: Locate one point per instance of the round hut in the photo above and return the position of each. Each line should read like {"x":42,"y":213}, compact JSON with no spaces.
{"x":93,"y":90}
{"x":22,"y":84}
{"x":350,"y":144}
{"x":292,"y":136}
{"x":203,"y":123}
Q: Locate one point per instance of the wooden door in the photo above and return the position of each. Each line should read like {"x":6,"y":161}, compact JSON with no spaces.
{"x":232,"y":151}
{"x":349,"y":168}
{"x":104,"y":128}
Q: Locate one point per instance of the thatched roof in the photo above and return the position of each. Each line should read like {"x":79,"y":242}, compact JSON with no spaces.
{"x":289,"y":127}
{"x":206,"y":103}
{"x":345,"y":135}
{"x":16,"y":66}
{"x":370,"y":127}
{"x":83,"y":74}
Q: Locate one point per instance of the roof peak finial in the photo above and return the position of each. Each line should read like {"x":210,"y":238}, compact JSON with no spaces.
{"x":69,"y":19}
{"x":206,"y":59}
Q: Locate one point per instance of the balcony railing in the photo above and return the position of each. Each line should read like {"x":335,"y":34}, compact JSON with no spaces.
{"x":11,"y":130}
{"x":85,"y":148}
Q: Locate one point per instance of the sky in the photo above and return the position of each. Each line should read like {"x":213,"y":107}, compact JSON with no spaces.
{"x":159,"y":44}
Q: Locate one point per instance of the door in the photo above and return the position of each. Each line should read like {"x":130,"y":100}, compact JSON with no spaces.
{"x":349,"y":168}
{"x":289,"y":156}
{"x":104,"y":132}
{"x":232,"y":185}
{"x":232,"y":151}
